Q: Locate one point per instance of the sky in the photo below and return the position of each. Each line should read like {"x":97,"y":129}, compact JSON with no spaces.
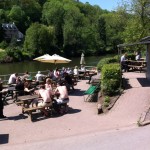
{"x":104,"y":4}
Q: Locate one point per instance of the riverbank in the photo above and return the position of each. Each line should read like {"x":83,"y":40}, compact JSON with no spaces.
{"x":82,"y":117}
{"x":34,"y":66}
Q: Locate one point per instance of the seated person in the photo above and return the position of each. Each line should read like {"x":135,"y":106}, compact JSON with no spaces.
{"x":19,"y":87}
{"x":62,"y":90}
{"x":76,"y":71}
{"x":56,"y":74}
{"x":69,"y":81}
{"x":69,"y":71}
{"x":51,"y":74}
{"x":39,"y":76}
{"x":12,"y":78}
{"x":46,"y":99}
{"x":48,"y":84}
{"x":62,"y":100}
{"x":28,"y":89}
{"x":138,"y":56}
{"x":94,"y":77}
{"x":63,"y":70}
{"x":26,"y":76}
{"x":83,"y":68}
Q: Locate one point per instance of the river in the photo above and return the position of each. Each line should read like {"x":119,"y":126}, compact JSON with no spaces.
{"x":33,"y":66}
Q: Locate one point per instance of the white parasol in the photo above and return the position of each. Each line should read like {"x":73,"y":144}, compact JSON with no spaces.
{"x":42,"y":57}
{"x":56,"y":59}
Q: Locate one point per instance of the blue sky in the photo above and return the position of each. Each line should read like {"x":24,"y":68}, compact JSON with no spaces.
{"x":104,"y":4}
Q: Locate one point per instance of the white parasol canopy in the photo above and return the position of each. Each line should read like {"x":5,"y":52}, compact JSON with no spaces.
{"x":56,"y":59}
{"x":42,"y":57}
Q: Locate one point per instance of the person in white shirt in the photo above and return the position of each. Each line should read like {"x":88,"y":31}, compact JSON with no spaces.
{"x":56,"y":74}
{"x":123,"y":57}
{"x":69,"y":71}
{"x":76,"y":71}
{"x":13,"y":78}
{"x":83,"y":68}
{"x":39,"y":76}
{"x":138,"y":56}
{"x":123,"y":62}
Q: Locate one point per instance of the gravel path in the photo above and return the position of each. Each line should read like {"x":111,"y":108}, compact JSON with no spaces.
{"x":82,"y":117}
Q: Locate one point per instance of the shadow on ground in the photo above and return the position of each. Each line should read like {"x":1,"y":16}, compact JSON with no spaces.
{"x":126,"y":84}
{"x":4,"y":138}
{"x":144,"y":82}
{"x":19,"y":117}
{"x":77,"y":92}
{"x":38,"y":117}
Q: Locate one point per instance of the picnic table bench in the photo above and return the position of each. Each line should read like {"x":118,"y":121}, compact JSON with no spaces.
{"x":30,"y":110}
{"x":136,"y":65}
{"x":25,"y":101}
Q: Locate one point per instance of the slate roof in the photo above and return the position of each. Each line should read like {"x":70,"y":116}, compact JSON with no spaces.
{"x":145,"y":40}
{"x":11,"y":30}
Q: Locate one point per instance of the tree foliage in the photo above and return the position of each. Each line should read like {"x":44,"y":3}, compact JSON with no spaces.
{"x":39,"y":39}
{"x":71,"y":27}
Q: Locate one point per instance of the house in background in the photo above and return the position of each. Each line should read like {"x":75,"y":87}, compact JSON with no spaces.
{"x":11,"y":31}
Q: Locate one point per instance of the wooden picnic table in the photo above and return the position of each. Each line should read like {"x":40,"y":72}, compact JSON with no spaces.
{"x":136,"y":65}
{"x":26,"y":100}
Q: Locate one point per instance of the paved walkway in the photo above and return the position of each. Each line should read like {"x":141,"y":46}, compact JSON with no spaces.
{"x":82,"y":117}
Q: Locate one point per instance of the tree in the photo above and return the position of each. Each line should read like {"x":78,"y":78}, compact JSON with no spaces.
{"x":2,"y":19}
{"x":52,"y":14}
{"x":39,"y":39}
{"x":32,"y":8}
{"x":18,"y":16}
{"x":138,"y":25}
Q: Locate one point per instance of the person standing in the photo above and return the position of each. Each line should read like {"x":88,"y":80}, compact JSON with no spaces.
{"x":1,"y":103}
{"x":124,"y":65}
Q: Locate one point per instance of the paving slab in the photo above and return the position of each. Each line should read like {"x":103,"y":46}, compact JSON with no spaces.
{"x":82,"y":117}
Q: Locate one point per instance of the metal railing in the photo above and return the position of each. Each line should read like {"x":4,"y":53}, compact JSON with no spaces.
{"x":5,"y":78}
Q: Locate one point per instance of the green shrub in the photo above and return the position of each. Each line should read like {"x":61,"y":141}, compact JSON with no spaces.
{"x":107,"y":99}
{"x":108,"y":60}
{"x":131,"y":56}
{"x":110,"y":79}
{"x":2,"y":56}
{"x":15,"y":52}
{"x":105,"y":104}
{"x":3,"y":44}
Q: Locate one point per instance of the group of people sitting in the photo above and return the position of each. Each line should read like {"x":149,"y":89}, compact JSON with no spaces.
{"x":124,"y":59}
{"x":46,"y":91}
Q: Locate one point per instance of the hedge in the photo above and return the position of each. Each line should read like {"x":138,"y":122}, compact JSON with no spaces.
{"x":110,"y":79}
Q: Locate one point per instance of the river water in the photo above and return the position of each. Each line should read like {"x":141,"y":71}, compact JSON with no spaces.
{"x":33,"y":66}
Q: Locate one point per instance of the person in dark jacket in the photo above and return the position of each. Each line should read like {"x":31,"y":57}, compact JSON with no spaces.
{"x":1,"y":103}
{"x":69,"y":81}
